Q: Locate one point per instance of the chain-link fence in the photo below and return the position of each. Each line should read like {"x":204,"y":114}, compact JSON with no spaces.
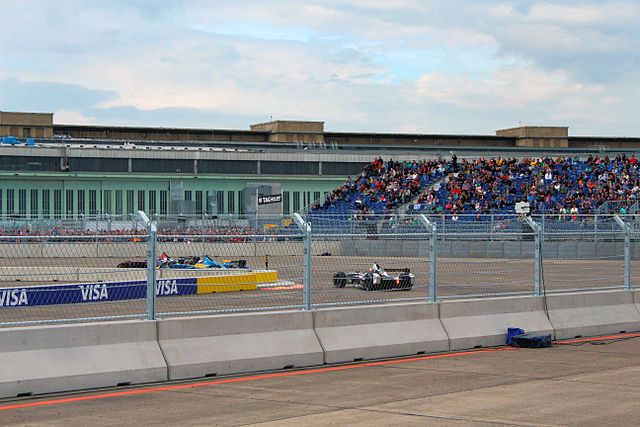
{"x":586,"y":255}
{"x":112,"y":268}
{"x":56,"y":278}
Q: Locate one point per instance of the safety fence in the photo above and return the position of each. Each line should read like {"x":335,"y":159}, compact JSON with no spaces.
{"x":165,"y":267}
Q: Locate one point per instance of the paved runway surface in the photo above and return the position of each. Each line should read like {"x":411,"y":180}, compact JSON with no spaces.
{"x":568,"y":384}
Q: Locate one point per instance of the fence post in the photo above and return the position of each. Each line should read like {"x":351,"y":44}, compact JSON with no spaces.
{"x":152,"y":236}
{"x":537,"y":229}
{"x":492,"y":230}
{"x":627,"y":250}
{"x":203,"y":230}
{"x":306,"y":260}
{"x":97,"y":252}
{"x":433,"y":257}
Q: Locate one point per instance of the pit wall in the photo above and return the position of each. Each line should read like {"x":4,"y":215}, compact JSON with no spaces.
{"x":44,"y":359}
{"x":462,"y":248}
{"x":489,"y":249}
{"x":103,"y":249}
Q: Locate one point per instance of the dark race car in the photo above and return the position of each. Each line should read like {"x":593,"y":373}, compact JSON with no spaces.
{"x":161,"y":262}
{"x":376,"y":279}
{"x":207,"y":262}
{"x":133,"y":264}
{"x":192,"y":262}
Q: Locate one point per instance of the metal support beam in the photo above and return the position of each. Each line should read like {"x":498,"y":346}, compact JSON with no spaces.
{"x":306,"y":260}
{"x":537,"y":230}
{"x":627,"y":250}
{"x":433,"y":256}
{"x":152,"y":237}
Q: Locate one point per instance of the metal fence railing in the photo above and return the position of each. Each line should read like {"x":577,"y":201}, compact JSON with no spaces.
{"x":188,"y":266}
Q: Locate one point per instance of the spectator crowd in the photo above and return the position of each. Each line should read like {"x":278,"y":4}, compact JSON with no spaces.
{"x":383,"y":186}
{"x":166,"y":233}
{"x":563,"y":186}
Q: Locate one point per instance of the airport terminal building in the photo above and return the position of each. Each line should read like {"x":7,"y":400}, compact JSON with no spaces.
{"x":55,"y":171}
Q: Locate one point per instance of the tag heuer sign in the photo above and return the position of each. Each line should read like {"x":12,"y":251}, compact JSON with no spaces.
{"x":274,"y":198}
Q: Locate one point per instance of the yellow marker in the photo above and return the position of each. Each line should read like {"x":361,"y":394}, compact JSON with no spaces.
{"x":235,"y":282}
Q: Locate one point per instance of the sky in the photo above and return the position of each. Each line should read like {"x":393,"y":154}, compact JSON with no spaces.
{"x":401,"y":66}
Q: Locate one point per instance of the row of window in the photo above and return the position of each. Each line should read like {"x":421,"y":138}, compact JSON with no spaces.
{"x":28,"y":132}
{"x":73,"y":203}
{"x":35,"y":203}
{"x":243,"y":167}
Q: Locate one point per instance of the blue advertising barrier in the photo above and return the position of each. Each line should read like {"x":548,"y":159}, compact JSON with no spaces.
{"x":29,"y":296}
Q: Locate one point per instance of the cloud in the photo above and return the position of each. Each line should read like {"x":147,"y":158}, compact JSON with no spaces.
{"x":75,"y":104}
{"x":594,"y":41}
{"x":168,"y":117}
{"x":48,"y":96}
{"x":73,"y":118}
{"x":419,"y":66}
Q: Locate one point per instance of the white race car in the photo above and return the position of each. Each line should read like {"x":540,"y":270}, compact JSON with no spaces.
{"x":376,"y":279}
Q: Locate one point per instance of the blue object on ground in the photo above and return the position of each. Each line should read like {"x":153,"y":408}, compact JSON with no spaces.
{"x":513,"y":332}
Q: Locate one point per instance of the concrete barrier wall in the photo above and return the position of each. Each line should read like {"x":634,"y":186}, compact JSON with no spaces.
{"x":56,"y":358}
{"x":484,"y":322}
{"x":482,"y":248}
{"x":523,"y":249}
{"x":501,"y":249}
{"x":354,"y":333}
{"x":216,"y":345}
{"x":636,"y":298}
{"x":174,"y":249}
{"x":70,"y":357}
{"x":458,"y":248}
{"x":593,"y":313}
{"x":384,"y":248}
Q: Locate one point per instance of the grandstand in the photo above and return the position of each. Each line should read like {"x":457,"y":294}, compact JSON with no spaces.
{"x":566,"y":187}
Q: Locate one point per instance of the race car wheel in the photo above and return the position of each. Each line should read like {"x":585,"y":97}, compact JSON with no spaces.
{"x":339,"y":279}
{"x":367,"y":282}
{"x":405,"y":283}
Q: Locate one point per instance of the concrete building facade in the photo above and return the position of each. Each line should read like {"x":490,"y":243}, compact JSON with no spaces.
{"x":26,"y":125}
{"x":40,"y":125}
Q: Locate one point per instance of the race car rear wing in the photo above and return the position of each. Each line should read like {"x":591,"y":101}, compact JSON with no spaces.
{"x":401,"y":270}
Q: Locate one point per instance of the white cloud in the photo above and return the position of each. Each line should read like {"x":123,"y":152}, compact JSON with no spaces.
{"x":72,"y":117}
{"x":508,"y":87}
{"x":419,"y":66}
